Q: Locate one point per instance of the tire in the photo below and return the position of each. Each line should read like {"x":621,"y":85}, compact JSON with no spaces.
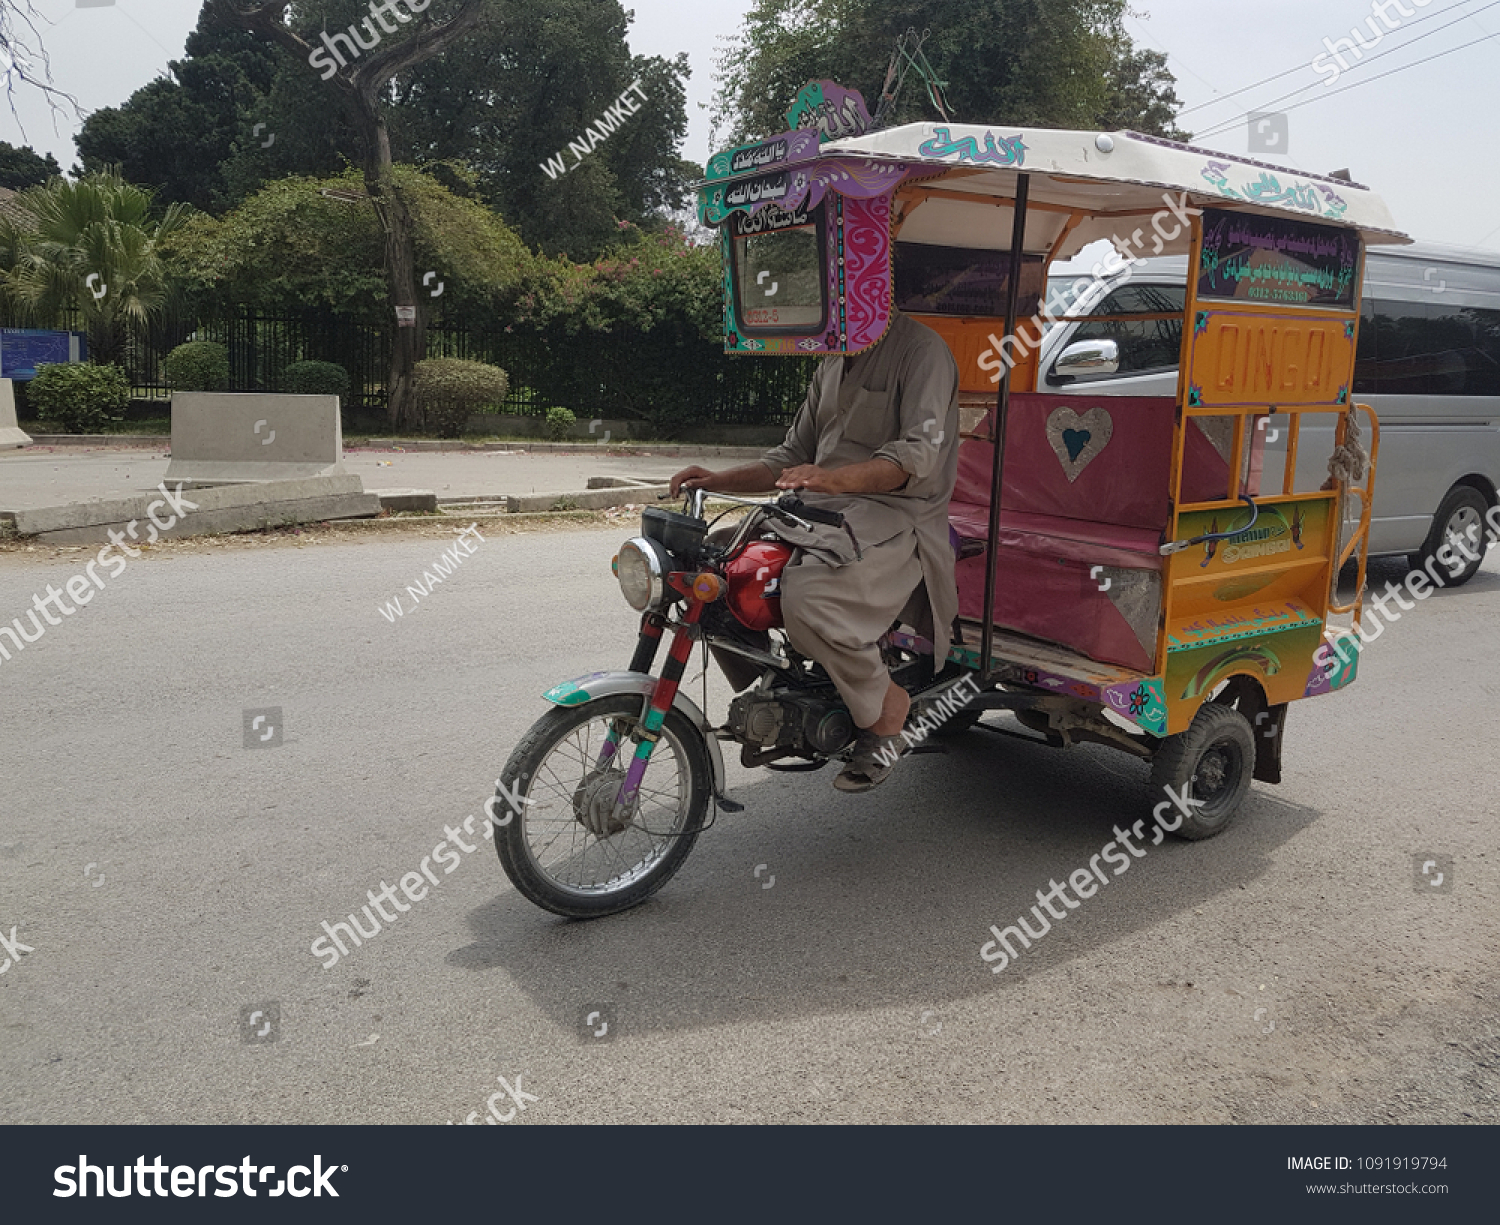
{"x":643,"y":853}
{"x":1462,"y":509}
{"x":1212,"y":762}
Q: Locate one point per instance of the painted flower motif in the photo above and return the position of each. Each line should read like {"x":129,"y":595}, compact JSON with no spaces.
{"x":1139,"y":700}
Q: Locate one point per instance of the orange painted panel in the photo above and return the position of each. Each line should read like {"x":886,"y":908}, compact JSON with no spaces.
{"x":1281,"y":358}
{"x":969,"y":340}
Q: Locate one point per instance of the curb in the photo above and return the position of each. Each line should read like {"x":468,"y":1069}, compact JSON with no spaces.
{"x":430,"y":444}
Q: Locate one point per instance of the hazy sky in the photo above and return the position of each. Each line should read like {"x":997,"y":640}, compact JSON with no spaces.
{"x":1408,"y":135}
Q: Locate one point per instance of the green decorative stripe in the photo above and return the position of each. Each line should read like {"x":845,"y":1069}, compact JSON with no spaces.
{"x":1255,"y":631}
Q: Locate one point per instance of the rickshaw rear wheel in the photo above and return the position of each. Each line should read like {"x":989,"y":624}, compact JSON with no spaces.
{"x":1211,"y":763}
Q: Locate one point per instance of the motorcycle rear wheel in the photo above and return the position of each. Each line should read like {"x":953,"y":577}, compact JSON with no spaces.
{"x":563,"y":850}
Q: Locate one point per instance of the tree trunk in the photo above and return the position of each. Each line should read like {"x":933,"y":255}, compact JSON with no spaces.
{"x":359,"y":88}
{"x":400,"y":261}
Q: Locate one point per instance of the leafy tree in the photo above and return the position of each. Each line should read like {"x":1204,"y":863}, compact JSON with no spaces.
{"x":175,"y":134}
{"x":303,"y":242}
{"x":664,"y":292}
{"x":360,"y":85}
{"x":529,"y":81}
{"x":23,"y":167}
{"x":90,"y":244}
{"x":1067,"y":64}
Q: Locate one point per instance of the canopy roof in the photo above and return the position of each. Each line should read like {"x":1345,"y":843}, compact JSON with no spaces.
{"x":955,"y":181}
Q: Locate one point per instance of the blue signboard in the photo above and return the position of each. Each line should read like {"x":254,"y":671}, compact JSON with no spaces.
{"x":22,"y":350}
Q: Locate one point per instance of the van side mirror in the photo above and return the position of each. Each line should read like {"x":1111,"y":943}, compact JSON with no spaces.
{"x":1085,"y":357}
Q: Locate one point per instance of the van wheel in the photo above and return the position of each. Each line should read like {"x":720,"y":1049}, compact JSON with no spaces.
{"x":1460,"y":517}
{"x":1210,"y":763}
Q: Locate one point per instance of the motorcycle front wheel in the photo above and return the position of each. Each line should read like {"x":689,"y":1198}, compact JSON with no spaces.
{"x":566,"y":849}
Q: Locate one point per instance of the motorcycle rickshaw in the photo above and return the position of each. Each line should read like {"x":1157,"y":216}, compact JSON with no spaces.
{"x":1142,"y":572}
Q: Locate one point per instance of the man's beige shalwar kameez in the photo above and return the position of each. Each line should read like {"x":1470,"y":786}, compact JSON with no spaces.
{"x":896,"y":401}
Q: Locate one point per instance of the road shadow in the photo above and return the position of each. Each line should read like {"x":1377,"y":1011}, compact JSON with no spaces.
{"x":812,"y":902}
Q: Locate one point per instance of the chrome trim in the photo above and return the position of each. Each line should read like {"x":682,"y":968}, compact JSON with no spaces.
{"x":655,"y":558}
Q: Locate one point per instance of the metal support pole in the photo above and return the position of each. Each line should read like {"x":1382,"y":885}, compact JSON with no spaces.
{"x":1002,"y":409}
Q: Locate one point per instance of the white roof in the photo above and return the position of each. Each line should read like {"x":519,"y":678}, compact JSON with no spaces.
{"x":1112,"y":177}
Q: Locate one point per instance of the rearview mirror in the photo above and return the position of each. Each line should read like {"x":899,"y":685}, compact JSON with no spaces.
{"x":1085,"y":357}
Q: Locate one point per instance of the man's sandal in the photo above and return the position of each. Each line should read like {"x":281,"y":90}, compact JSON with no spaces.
{"x":873,"y":760}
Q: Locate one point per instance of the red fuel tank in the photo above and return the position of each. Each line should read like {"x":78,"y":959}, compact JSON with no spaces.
{"x":754,"y":578}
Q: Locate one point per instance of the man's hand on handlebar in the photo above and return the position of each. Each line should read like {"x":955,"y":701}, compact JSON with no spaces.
{"x":691,"y":478}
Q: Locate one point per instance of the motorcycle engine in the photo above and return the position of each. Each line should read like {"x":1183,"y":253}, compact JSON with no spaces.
{"x":803,"y":724}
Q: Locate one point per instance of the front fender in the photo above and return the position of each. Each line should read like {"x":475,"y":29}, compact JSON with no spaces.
{"x":597,"y":685}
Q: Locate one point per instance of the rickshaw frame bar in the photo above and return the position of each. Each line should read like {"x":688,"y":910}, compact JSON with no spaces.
{"x":1002,"y":408}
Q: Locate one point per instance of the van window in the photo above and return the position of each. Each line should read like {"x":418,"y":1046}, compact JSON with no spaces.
{"x":1428,"y":349}
{"x":1145,"y":345}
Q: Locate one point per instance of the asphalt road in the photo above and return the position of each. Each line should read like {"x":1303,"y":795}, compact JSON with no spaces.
{"x":169,"y":882}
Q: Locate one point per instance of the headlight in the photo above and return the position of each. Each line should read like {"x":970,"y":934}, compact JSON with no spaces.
{"x":642,"y":569}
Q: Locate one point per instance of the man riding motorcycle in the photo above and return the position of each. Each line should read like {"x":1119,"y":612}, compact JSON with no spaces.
{"x":876,"y":440}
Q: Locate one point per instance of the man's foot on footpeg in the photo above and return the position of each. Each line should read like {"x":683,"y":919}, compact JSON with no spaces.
{"x":872,"y":762}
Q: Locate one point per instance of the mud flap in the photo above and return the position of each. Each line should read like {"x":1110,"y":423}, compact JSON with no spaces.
{"x":1268,"y":723}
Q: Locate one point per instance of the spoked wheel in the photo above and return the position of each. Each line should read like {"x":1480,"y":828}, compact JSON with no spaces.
{"x":1212,"y":762}
{"x":570,"y":849}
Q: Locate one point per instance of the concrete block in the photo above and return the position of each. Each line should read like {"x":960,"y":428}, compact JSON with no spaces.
{"x":10,"y":433}
{"x":231,"y":519}
{"x":225,"y":497}
{"x":618,"y":482}
{"x":592,"y":499}
{"x":225,"y":438}
{"x":407,"y":499}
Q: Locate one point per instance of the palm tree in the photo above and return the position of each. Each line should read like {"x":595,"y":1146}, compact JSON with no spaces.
{"x":89,"y":243}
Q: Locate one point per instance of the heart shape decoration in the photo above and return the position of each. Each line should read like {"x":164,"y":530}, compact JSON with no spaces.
{"x":1077,"y":438}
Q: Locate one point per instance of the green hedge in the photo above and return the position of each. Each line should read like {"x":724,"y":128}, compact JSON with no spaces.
{"x":199,"y":365}
{"x":312,"y":378}
{"x":79,"y":399}
{"x":450,"y":390}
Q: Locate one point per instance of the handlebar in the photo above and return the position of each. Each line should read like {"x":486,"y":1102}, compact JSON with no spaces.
{"x":791,"y":504}
{"x":788,"y":507}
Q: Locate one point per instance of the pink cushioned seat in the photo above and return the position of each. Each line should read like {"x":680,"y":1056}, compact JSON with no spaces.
{"x":1085,"y":507}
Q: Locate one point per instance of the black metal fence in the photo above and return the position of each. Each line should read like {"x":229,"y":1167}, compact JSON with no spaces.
{"x":670,"y":380}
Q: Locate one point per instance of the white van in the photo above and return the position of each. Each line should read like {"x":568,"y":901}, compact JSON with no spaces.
{"x":1428,"y":363}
